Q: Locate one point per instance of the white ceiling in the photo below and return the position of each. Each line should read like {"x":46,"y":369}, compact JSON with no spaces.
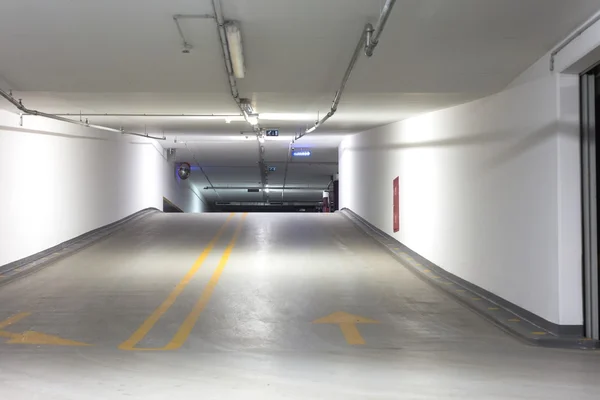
{"x":124,"y":56}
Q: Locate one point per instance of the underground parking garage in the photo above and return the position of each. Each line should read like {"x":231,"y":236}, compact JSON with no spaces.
{"x":280,"y":199}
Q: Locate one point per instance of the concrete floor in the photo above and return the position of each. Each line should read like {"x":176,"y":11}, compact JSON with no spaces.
{"x":241,"y":327}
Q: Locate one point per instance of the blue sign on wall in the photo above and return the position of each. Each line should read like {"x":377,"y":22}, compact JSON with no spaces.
{"x":301,"y":153}
{"x":272,"y":169}
{"x":272,"y":132}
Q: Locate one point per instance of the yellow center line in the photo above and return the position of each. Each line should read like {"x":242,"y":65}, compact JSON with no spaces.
{"x":188,"y":325}
{"x":143,"y":330}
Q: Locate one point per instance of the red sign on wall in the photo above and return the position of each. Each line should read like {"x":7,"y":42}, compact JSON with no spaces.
{"x":396,"y":204}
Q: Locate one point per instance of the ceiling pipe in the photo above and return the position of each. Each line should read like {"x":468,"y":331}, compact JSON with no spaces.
{"x":368,"y":41}
{"x":186,"y":45}
{"x":203,"y":172}
{"x":260,"y":203}
{"x":373,"y":35}
{"x":296,"y":162}
{"x":150,"y":115}
{"x":308,"y":189}
{"x":225,"y":50}
{"x":340,"y":91}
{"x":218,"y":13}
{"x":287,"y":163}
{"x":26,"y":111}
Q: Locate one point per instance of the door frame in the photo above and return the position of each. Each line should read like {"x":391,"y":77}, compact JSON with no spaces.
{"x":589,"y":206}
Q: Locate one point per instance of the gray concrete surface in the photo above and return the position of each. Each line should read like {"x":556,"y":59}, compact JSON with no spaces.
{"x":249,"y":320}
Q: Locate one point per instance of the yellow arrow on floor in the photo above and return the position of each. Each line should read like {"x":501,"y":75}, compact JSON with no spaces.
{"x":32,"y":337}
{"x":347,"y":323}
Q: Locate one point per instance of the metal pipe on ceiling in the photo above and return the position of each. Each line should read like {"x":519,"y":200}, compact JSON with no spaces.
{"x":186,"y":45}
{"x":369,"y":39}
{"x":225,"y":50}
{"x":318,"y":163}
{"x":203,"y":172}
{"x":373,"y":35}
{"x":257,"y":203}
{"x":340,"y":91}
{"x":193,"y":16}
{"x":287,"y":163}
{"x":218,"y":12}
{"x":150,"y":115}
{"x":26,"y":111}
{"x":301,"y":188}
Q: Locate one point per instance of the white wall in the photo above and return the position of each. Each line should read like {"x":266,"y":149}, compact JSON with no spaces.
{"x":58,"y":181}
{"x":489,"y":190}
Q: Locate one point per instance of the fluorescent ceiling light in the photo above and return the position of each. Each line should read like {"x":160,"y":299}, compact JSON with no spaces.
{"x":252,"y":119}
{"x":234,"y":39}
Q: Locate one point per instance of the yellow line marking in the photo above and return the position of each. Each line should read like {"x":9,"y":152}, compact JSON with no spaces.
{"x":14,"y":319}
{"x":188,"y":325}
{"x":149,"y":323}
{"x":31,"y":337}
{"x":426,"y":270}
{"x":475,"y":298}
{"x":514,"y":320}
{"x":347,"y":323}
{"x":538,"y":333}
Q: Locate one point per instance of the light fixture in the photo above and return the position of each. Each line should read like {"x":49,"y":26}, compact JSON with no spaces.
{"x":247,"y":106}
{"x":261,"y":139}
{"x":301,"y":153}
{"x":234,"y":39}
{"x":311,"y":129}
{"x":252,"y":119}
{"x":227,"y":120}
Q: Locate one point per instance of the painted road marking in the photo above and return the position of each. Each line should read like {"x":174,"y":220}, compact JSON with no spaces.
{"x":539,"y":333}
{"x":188,"y":325}
{"x":347,"y":323}
{"x":514,"y":320}
{"x":32,"y":337}
{"x":14,"y":319}
{"x":149,"y":323}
